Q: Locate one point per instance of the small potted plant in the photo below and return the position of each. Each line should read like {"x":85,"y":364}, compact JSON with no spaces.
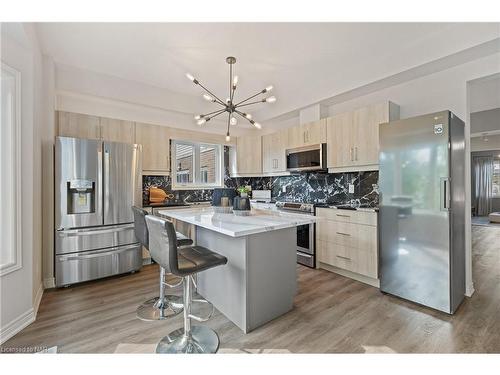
{"x":244,"y":190}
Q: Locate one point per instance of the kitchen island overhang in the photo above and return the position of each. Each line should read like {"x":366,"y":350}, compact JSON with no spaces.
{"x":259,"y":282}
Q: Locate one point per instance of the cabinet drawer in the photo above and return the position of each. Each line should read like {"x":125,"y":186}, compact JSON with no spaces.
{"x":347,"y":234}
{"x":348,"y":216}
{"x":364,"y":262}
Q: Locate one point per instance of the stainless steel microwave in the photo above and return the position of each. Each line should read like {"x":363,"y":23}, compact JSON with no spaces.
{"x":307,"y":158}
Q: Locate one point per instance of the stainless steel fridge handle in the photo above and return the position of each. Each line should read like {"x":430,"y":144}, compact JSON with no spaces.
{"x":95,"y":255}
{"x":99,"y":183}
{"x":91,"y":232}
{"x":445,"y":193}
{"x":106,"y":182}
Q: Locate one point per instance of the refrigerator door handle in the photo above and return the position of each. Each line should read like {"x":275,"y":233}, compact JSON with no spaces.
{"x":99,"y":183}
{"x":93,"y":232}
{"x":64,"y":258}
{"x":106,"y":181}
{"x":445,"y":193}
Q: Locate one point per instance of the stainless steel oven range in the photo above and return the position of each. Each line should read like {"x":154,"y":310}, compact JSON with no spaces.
{"x":306,"y":250}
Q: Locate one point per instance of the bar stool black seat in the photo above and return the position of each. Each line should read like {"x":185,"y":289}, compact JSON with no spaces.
{"x":184,"y":262}
{"x":163,"y":306}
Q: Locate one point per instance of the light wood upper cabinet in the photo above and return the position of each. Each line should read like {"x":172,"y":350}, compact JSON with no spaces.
{"x":249,"y":155}
{"x":273,"y":152}
{"x":307,"y":134}
{"x":117,"y":130}
{"x":78,"y":125}
{"x":155,"y":141}
{"x":352,"y":137}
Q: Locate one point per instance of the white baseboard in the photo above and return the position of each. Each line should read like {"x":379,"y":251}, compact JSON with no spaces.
{"x":16,"y":325}
{"x":469,"y":290}
{"x":38,"y":299}
{"x":49,"y":283}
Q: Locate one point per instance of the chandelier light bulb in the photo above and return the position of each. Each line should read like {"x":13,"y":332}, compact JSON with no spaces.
{"x":257,"y":125}
{"x":190,"y":77}
{"x":228,"y":100}
{"x":201,"y":121}
{"x":269,"y":88}
{"x":228,"y":137}
{"x":271,"y":99}
{"x":197,"y":117}
{"x":235,"y":81}
{"x":208,"y":98}
{"x":233,"y":120}
{"x":248,"y":116}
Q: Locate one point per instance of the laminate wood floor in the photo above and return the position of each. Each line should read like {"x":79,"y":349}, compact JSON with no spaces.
{"x":332,"y":314}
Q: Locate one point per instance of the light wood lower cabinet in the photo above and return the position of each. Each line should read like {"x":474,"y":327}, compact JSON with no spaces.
{"x":348,"y":240}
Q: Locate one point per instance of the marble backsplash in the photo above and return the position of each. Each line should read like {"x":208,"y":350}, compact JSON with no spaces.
{"x":330,"y":188}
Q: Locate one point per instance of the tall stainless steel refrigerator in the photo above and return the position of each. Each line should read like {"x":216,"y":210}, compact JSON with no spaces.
{"x":96,"y":184}
{"x":422,"y":212}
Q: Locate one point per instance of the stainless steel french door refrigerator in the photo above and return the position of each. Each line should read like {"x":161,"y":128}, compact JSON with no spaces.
{"x":422,"y":212}
{"x":96,"y":184}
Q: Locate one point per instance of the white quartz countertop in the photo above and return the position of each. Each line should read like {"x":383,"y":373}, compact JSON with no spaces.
{"x":236,"y":226}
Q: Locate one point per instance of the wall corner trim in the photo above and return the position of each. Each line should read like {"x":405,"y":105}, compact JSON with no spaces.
{"x":49,"y":283}
{"x":469,"y":290}
{"x":38,"y":299}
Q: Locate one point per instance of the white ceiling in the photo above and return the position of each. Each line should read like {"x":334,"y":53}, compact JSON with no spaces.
{"x":305,"y":62}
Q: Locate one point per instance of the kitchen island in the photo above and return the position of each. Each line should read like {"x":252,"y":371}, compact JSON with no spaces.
{"x":259,"y":281}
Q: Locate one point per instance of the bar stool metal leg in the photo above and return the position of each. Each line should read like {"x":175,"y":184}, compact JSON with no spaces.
{"x":196,"y":339}
{"x":162,"y":307}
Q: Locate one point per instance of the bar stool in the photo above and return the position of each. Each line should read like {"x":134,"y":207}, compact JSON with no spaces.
{"x":184,"y":262}
{"x":163,"y":306}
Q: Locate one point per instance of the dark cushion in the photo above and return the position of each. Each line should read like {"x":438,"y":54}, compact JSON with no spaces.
{"x":195,"y":259}
{"x":182,"y":240}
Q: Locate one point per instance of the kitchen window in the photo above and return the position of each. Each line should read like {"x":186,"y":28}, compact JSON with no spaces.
{"x":196,"y":165}
{"x":496,"y":178}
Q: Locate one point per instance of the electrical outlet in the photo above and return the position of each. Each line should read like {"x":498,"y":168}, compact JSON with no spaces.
{"x":351,"y":188}
{"x":283,"y":189}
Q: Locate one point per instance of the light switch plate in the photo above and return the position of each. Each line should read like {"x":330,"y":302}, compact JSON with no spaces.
{"x":351,"y":188}
{"x":283,"y":189}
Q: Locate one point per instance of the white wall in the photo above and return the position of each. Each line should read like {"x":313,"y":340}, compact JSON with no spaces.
{"x":478,"y":144}
{"x":485,"y":121}
{"x":20,"y":290}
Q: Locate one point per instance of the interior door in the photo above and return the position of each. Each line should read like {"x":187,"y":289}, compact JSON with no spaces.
{"x":122,"y":181}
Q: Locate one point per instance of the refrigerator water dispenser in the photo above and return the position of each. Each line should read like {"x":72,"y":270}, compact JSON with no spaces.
{"x":81,"y":196}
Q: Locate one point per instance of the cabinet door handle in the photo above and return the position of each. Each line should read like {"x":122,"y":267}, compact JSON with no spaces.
{"x":342,"y":215}
{"x":356,"y":153}
{"x":343,"y":234}
{"x":350,"y":153}
{"x":342,"y":257}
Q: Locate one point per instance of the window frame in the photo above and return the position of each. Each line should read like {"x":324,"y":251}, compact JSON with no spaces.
{"x":12,"y":184}
{"x":495,"y":161}
{"x":197,"y":184}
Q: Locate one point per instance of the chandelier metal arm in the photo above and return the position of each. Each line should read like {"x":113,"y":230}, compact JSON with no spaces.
{"x":228,"y":123}
{"x":243,"y":115}
{"x":250,"y":97}
{"x":211,"y":93}
{"x":211,"y":113}
{"x":217,"y":114}
{"x":251,"y":103}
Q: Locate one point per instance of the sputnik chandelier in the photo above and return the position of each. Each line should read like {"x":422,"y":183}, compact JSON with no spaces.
{"x":229,"y":105}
